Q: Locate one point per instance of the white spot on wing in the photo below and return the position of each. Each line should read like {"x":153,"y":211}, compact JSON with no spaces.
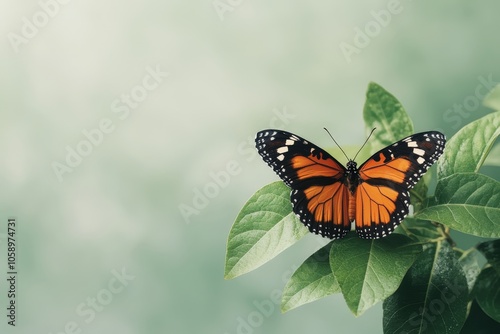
{"x":282,"y":149}
{"x":418,"y":151}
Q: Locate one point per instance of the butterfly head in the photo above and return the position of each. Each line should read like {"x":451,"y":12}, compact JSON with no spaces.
{"x":352,"y":165}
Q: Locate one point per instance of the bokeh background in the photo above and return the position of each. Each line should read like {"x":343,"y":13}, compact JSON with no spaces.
{"x":131,"y":208}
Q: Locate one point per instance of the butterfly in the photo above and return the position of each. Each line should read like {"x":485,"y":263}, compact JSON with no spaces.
{"x":327,"y":197}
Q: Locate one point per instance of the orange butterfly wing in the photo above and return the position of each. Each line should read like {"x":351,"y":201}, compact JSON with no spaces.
{"x":319,"y":195}
{"x":382,"y":196}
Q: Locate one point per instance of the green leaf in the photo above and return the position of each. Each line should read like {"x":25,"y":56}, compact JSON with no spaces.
{"x":420,"y":230}
{"x":469,"y":260}
{"x":384,"y":112}
{"x":467,"y":202}
{"x":368,"y":271}
{"x":479,"y":323}
{"x":493,"y":158}
{"x":432,"y":297}
{"x":487,"y":292}
{"x":491,"y":251}
{"x":492,"y":100}
{"x":311,"y":281}
{"x":469,"y":147}
{"x":264,"y":228}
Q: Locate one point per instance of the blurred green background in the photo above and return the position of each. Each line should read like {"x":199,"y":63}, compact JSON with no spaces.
{"x":131,"y":208}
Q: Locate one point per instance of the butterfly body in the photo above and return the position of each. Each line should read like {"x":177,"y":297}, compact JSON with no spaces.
{"x":328,"y":197}
{"x":352,"y":176}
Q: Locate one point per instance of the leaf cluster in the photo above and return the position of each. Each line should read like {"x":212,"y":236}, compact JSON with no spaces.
{"x":426,"y":283}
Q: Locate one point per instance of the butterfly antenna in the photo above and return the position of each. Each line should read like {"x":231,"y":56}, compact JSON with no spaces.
{"x":364,"y":143}
{"x":336,"y":143}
